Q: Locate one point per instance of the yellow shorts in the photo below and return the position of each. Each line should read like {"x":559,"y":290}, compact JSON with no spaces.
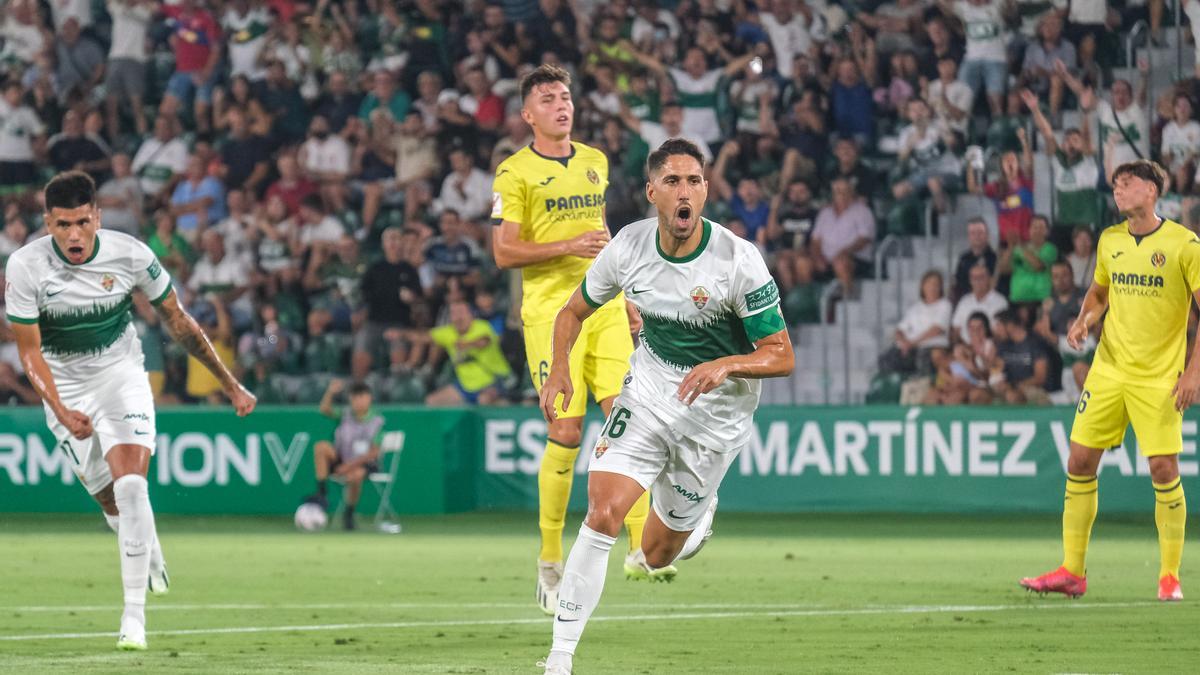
{"x":1107,"y":406}
{"x":599,"y":360}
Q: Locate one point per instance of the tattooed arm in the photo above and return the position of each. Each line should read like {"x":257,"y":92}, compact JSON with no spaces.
{"x":184,"y":329}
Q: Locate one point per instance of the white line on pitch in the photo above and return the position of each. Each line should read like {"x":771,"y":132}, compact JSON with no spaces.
{"x":154,"y":607}
{"x":901,"y":610}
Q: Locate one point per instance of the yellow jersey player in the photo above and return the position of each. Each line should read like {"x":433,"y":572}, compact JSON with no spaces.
{"x":548,"y":200}
{"x":1147,"y":273}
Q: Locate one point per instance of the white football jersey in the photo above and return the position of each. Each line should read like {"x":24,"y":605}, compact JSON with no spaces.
{"x":712,"y":303}
{"x":83,"y":311}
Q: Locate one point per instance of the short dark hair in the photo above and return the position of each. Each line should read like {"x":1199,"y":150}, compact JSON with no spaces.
{"x":1009,"y":317}
{"x":70,"y":190}
{"x":674,"y":146}
{"x":1145,"y":170}
{"x":987,"y":323}
{"x":313,"y":202}
{"x":543,"y":74}
{"x":359,"y":388}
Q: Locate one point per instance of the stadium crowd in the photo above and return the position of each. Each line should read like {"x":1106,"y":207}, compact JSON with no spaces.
{"x":316,"y":176}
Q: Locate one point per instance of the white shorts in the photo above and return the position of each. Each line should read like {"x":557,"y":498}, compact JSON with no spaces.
{"x":121,"y":408}
{"x":681,"y":475}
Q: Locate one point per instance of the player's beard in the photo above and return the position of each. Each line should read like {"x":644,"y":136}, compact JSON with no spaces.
{"x":683,"y":222}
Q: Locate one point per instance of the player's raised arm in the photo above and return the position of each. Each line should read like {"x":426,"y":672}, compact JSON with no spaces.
{"x":29,"y":346}
{"x":184,"y":329}
{"x":772,"y":357}
{"x":567,"y":325}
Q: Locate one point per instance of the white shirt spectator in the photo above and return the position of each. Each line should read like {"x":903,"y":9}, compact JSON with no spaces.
{"x":655,"y":135}
{"x":234,"y":231}
{"x":1087,"y":11}
{"x":1182,"y":142}
{"x":929,"y":150}
{"x":643,"y":29}
{"x":1137,"y":127}
{"x":991,"y":304}
{"x":609,"y":104}
{"x":125,"y":219}
{"x":837,"y":231}
{"x":331,"y":155}
{"x":987,"y":37}
{"x":788,"y":40}
{"x":22,"y":41}
{"x":470,"y":197}
{"x":156,"y":163}
{"x":328,"y":230}
{"x":225,"y":275}
{"x":922,"y":316}
{"x":247,"y":37}
{"x":1083,"y":268}
{"x":698,"y":96}
{"x":61,"y":10}
{"x":959,"y":94}
{"x":17,"y":129}
{"x":129,"y":29}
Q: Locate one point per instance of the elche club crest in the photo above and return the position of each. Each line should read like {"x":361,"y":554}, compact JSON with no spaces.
{"x":1158,"y":258}
{"x":107,"y":282}
{"x":593,"y":176}
{"x":700,"y":297}
{"x":601,"y":447}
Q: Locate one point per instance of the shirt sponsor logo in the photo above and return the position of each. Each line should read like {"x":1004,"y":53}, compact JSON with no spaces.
{"x":574,"y":202}
{"x":154,"y":270}
{"x":763,"y":296}
{"x":1144,"y":280}
{"x":693,"y":497}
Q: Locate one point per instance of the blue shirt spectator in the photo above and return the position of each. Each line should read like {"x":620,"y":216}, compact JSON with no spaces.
{"x":852,"y":105}
{"x":198,"y":193}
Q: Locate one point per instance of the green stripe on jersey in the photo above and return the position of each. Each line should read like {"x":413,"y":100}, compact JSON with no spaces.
{"x":84,"y":331}
{"x":707,"y":99}
{"x":686,"y":344}
{"x":764,"y":323}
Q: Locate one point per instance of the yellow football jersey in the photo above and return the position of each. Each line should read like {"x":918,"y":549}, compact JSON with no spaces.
{"x":552,"y":200}
{"x":1150,"y":280}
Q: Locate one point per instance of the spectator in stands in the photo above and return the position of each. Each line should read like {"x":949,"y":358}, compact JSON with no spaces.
{"x":848,"y":164}
{"x":802,"y":299}
{"x":964,"y":377}
{"x":467,"y":189}
{"x":72,"y":149}
{"x":851,"y":104}
{"x":1029,"y":262}
{"x":247,"y":26}
{"x":354,"y":452}
{"x":161,"y":160}
{"x":198,"y":200}
{"x":1039,"y":72}
{"x":747,"y":203}
{"x":389,"y":287}
{"x":120,"y":198}
{"x":80,"y":63}
{"x":334,"y":280}
{"x":979,"y":251}
{"x":339,"y":103}
{"x":196,"y":39}
{"x":1012,"y":192}
{"x":1124,"y":118}
{"x":451,"y":254}
{"x":985,"y":61}
{"x":790,"y":225}
{"x":172,"y":250}
{"x":213,"y":316}
{"x":1082,"y":257}
{"x":1026,"y":366}
{"x":927,"y":151}
{"x":485,"y":107}
{"x":24,"y":35}
{"x":1181,"y":144}
{"x":14,"y":234}
{"x":1057,"y":314}
{"x":480,"y":370}
{"x":942,"y":44}
{"x":315,"y":228}
{"x":325,"y":160}
{"x":281,"y":99}
{"x":411,"y":161}
{"x":237,"y":226}
{"x":125,"y":80}
{"x":923,"y":334}
{"x":292,"y":186}
{"x":896,"y":25}
{"x":983,"y":299}
{"x":13,"y":384}
{"x":1075,"y":172}
{"x":22,"y":140}
{"x":241,"y":94}
{"x":384,"y":94}
{"x":245,"y":158}
{"x":219,"y":276}
{"x":846,"y":227}
{"x":273,"y":238}
{"x":950,"y":99}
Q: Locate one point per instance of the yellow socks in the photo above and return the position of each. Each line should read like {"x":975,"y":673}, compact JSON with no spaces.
{"x":1079,"y":512}
{"x":554,"y":490}
{"x":635,"y":520}
{"x":1170,"y":514}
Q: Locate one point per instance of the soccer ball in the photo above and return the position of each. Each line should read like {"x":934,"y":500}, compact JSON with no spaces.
{"x":311,"y":517}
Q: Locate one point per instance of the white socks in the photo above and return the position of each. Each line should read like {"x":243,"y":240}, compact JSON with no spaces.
{"x":135,"y":538}
{"x":156,"y":554}
{"x":582,"y":584}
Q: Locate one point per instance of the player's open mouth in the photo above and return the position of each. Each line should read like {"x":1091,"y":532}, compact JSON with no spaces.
{"x":563,"y":119}
{"x":683,"y":216}
{"x":75,"y":250}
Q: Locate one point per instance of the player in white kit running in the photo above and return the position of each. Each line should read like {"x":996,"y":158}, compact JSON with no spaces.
{"x":68,"y":297}
{"x":711,"y":329}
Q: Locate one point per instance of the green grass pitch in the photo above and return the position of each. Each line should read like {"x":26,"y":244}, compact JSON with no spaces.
{"x":453,"y":594}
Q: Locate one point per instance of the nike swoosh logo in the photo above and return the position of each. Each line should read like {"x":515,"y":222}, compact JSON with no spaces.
{"x":559,"y":618}
{"x":502,"y":172}
{"x":638,"y":292}
{"x":1118,"y":254}
{"x":141,"y":433}
{"x":51,"y":295}
{"x":671,"y":513}
{"x":547,"y":181}
{"x":1175,"y":505}
{"x":128,"y":555}
{"x":562,"y":472}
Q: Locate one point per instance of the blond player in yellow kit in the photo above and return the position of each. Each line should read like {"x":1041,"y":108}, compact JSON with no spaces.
{"x":548,"y":200}
{"x":1147,"y":273}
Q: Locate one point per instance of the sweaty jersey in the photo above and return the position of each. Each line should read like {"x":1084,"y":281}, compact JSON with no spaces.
{"x":83,"y":311}
{"x":1150,"y":281}
{"x":552,"y":200}
{"x":714,"y":302}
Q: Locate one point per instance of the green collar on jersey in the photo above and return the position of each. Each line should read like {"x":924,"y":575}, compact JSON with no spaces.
{"x":706,"y":233}
{"x":95,"y":250}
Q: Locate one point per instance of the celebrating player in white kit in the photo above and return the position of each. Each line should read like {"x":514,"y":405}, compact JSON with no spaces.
{"x":68,"y":297}
{"x":711,"y":328}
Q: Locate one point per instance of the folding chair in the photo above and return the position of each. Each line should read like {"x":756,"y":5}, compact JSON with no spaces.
{"x":384,"y":481}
